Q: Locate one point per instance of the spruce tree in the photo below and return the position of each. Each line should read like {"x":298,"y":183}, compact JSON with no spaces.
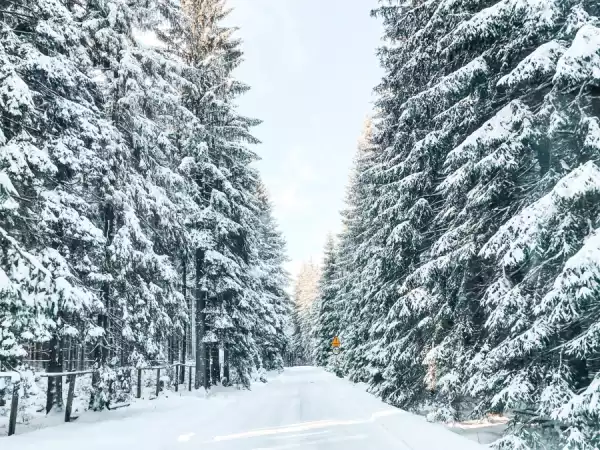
{"x":140,"y":205}
{"x":531,"y":361}
{"x":217,"y":160}
{"x":326,"y":309}
{"x":273,"y":319}
{"x":54,"y":144}
{"x":352,"y":257}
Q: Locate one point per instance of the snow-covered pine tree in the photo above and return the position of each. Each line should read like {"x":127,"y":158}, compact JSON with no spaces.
{"x":532,"y":361}
{"x":527,"y":325}
{"x":436,"y":313}
{"x":54,"y":148}
{"x":274,"y":318}
{"x":119,"y":160}
{"x":306,"y":291}
{"x":352,"y":256}
{"x":140,"y":219}
{"x":218,"y":161}
{"x":429,"y":103}
{"x":327,"y":311}
{"x":570,"y":312}
{"x":484,"y":107}
{"x":21,"y":273}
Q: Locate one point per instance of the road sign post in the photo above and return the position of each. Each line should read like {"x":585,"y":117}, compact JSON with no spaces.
{"x":335,"y":345}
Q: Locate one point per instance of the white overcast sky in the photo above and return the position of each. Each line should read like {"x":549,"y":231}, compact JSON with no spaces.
{"x":312,"y":67}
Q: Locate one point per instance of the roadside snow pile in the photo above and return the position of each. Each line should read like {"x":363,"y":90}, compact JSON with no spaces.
{"x":484,"y":431}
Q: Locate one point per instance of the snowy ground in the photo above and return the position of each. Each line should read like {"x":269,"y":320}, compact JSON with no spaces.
{"x":303,"y":408}
{"x":32,"y":406}
{"x":482,"y":431}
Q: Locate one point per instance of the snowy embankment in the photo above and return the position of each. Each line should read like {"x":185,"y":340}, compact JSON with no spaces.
{"x":303,"y":408}
{"x":32,"y":401}
{"x":482,"y":431}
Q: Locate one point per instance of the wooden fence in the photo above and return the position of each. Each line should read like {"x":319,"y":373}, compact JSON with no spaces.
{"x":71,"y":377}
{"x":71,"y":380}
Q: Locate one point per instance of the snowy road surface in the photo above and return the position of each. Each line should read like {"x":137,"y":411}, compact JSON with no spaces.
{"x":303,"y":408}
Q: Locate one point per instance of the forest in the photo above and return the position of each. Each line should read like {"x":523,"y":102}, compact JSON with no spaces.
{"x":134,"y":228}
{"x":466,"y":280}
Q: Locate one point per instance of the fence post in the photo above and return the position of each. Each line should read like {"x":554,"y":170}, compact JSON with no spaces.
{"x":71,"y":379}
{"x":190,"y":379}
{"x":157,"y":381}
{"x":139,"y":384}
{"x":14,"y":405}
{"x":176,"y":378}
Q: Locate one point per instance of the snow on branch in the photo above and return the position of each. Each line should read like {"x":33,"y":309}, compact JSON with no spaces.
{"x":541,"y":62}
{"x":520,"y":233}
{"x":581,"y":62}
{"x":492,"y":22}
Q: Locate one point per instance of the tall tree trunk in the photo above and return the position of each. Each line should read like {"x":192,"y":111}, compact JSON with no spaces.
{"x":215,"y":372}
{"x":59,"y":368}
{"x":102,"y":356}
{"x":201,"y":349}
{"x":217,"y":301}
{"x":226,"y":363}
{"x":206,"y":366}
{"x":54,"y":387}
{"x":101,"y":350}
{"x":186,"y":326}
{"x":123,"y":359}
{"x":71,"y":355}
{"x":82,"y":356}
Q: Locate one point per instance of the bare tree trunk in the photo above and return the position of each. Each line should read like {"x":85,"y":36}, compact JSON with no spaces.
{"x":122,"y":355}
{"x":70,"y":355}
{"x":206,"y":366}
{"x":187,"y":324}
{"x":225,"y":363}
{"x":101,"y":351}
{"x":215,"y":374}
{"x":201,"y":349}
{"x":54,"y":393}
{"x":60,"y":368}
{"x":198,"y":319}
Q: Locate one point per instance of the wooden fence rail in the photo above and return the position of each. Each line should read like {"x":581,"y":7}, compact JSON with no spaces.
{"x":72,"y":376}
{"x":178,"y":367}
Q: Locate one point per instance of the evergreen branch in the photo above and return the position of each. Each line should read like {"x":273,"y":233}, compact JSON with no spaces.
{"x":25,"y":16}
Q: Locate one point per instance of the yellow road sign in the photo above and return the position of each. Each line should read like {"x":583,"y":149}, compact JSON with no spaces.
{"x":336,"y":342}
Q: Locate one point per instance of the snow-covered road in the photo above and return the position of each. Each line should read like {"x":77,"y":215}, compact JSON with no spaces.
{"x":303,"y":408}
